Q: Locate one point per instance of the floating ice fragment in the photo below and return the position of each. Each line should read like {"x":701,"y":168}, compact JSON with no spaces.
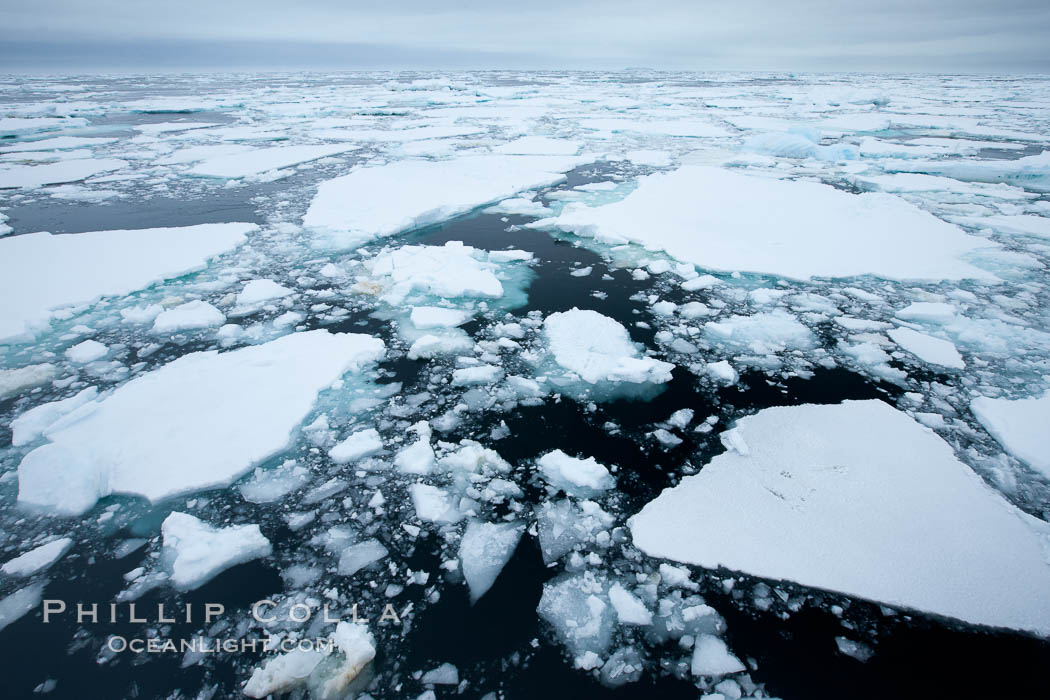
{"x":189,"y":316}
{"x":598,"y":349}
{"x":584,"y":478}
{"x":197,"y":552}
{"x":257,"y":292}
{"x":37,"y":559}
{"x":360,"y":444}
{"x":87,"y":351}
{"x":484,"y":551}
{"x":927,"y":348}
{"x":712,"y":658}
{"x":360,"y":555}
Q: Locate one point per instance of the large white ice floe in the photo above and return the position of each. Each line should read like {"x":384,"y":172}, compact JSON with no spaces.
{"x":1021,"y":426}
{"x":54,"y":173}
{"x":40,"y":271}
{"x":857,"y":498}
{"x":199,"y":422}
{"x":261,"y":160}
{"x":723,"y":220}
{"x":595,"y":348}
{"x":196,"y":552}
{"x":384,"y":200}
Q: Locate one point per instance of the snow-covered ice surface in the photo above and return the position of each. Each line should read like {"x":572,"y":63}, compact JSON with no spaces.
{"x":414,"y":348}
{"x":857,"y":498}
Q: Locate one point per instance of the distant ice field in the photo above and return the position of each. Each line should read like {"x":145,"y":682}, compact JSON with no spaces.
{"x":626,"y":384}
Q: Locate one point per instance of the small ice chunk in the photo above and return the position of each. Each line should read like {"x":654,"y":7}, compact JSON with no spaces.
{"x":928,"y":348}
{"x":584,"y":478}
{"x":477,"y":375}
{"x":629,"y":609}
{"x":197,"y":552}
{"x":283,"y":673}
{"x":360,"y":444}
{"x":723,"y":371}
{"x":577,"y":607}
{"x":417,"y":458}
{"x":37,"y":559}
{"x":597,"y":348}
{"x":14,"y":606}
{"x":712,"y":658}
{"x":188,"y":316}
{"x":445,"y":674}
{"x":858,"y":650}
{"x":87,"y":351}
{"x":360,"y":555}
{"x":434,"y":505}
{"x":424,"y":317}
{"x":257,"y":292}
{"x":485,"y":550}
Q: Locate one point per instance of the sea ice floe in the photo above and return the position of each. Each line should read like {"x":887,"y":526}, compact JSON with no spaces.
{"x":256,"y":292}
{"x":20,"y":603}
{"x":388,"y":199}
{"x":595,"y":349}
{"x":38,"y":558}
{"x":483,"y":552}
{"x":357,"y":446}
{"x":41,"y":271}
{"x":200,"y":421}
{"x":195,"y":552}
{"x":712,"y":658}
{"x":1021,"y":426}
{"x":54,"y":173}
{"x":584,"y":478}
{"x":189,"y":316}
{"x":857,"y":498}
{"x":927,"y":348}
{"x":261,"y":160}
{"x":86,"y":351}
{"x":577,"y":607}
{"x":708,"y":216}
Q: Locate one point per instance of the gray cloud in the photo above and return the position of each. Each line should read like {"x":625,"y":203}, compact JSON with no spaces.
{"x":895,"y":35}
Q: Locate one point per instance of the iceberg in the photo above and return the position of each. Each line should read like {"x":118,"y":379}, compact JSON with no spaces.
{"x":857,"y":498}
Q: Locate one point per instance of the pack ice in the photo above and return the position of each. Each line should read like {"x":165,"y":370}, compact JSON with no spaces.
{"x":198,"y":422}
{"x":857,"y":498}
{"x":42,"y":271}
{"x":721,"y":220}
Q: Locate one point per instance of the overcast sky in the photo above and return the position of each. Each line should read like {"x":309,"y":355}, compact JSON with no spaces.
{"x":881,"y":35}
